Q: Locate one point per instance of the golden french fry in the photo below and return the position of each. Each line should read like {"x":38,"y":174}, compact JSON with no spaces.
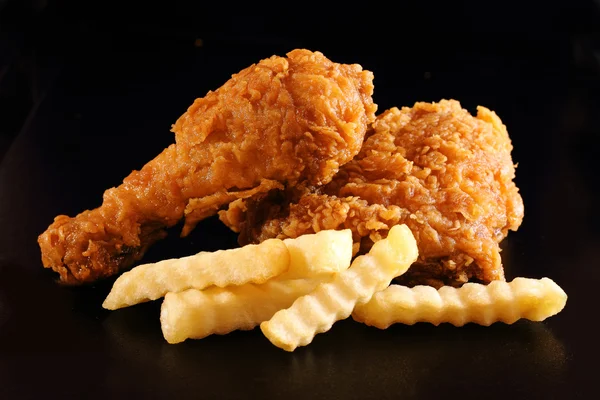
{"x":498,"y":301}
{"x":251,"y":263}
{"x":195,"y":314}
{"x":330,"y":302}
{"x":323,"y":253}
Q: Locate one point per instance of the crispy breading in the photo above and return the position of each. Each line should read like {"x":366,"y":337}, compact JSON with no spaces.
{"x":446,"y":174}
{"x":282,"y":121}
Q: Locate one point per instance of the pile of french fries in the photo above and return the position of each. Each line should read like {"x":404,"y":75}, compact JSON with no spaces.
{"x":297,"y":288}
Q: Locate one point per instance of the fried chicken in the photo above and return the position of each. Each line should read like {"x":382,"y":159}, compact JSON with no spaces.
{"x":435,"y":167}
{"x":278,"y":123}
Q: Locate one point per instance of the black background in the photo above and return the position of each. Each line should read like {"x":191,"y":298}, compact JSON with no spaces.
{"x":88,"y":92}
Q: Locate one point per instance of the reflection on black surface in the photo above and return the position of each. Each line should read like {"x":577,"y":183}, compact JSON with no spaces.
{"x":352,"y":360}
{"x":41,"y":337}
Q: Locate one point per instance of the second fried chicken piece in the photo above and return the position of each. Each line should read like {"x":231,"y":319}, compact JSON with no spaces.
{"x":444,"y":173}
{"x":280,"y":122}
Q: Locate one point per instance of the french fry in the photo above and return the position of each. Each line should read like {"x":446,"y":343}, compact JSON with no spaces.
{"x":196,"y":314}
{"x":319,"y":254}
{"x":498,"y":301}
{"x":317,"y":311}
{"x":251,"y":263}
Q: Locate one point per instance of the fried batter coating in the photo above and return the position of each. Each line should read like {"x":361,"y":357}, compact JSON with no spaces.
{"x":434,"y":167}
{"x":277,"y":123}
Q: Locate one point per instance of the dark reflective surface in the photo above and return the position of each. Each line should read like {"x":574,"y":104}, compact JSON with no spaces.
{"x":109,"y":111}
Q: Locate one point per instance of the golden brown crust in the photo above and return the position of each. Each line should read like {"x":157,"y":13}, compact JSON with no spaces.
{"x":444,"y":173}
{"x":289,"y":120}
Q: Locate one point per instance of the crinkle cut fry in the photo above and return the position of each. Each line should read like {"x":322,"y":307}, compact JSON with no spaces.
{"x":253,"y":263}
{"x":195,"y":314}
{"x":334,"y":301}
{"x":499,"y":301}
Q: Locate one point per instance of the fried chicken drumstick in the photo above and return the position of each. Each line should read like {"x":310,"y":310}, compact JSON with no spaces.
{"x":434,"y":167}
{"x":278,"y":123}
